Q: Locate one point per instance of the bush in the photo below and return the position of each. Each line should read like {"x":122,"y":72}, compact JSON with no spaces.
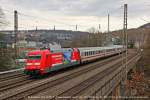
{"x":6,"y":60}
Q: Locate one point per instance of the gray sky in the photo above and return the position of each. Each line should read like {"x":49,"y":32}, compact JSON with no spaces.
{"x":65,"y":14}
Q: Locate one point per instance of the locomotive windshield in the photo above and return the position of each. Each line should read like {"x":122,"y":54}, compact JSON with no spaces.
{"x":34,"y":57}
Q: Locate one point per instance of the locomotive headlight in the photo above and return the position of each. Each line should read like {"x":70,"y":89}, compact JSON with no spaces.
{"x":28,"y":64}
{"x":36,"y":63}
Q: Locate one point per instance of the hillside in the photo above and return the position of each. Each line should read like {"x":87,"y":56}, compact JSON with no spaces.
{"x":141,"y":36}
{"x":145,"y":26}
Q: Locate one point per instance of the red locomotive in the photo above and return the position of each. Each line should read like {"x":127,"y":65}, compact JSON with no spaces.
{"x":44,"y":61}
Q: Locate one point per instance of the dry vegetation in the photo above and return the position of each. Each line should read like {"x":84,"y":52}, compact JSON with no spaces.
{"x":146,"y":62}
{"x":6,"y":54}
{"x":91,"y":40}
{"x":146,"y":55}
{"x":141,"y":37}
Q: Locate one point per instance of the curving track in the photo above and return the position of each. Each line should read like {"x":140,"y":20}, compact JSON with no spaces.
{"x":74,"y":89}
{"x":24,"y":87}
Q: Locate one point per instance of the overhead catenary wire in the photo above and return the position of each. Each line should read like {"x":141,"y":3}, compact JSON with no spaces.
{"x":42,"y":20}
{"x":148,"y":21}
{"x":31,"y":16}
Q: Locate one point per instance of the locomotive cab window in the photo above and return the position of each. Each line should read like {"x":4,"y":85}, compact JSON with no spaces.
{"x":34,"y":57}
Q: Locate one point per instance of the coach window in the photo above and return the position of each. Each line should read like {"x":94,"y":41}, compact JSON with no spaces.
{"x":82,"y":54}
{"x":103,"y":51}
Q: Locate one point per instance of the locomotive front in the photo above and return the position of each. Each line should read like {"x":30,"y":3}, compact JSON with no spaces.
{"x":33,"y":63}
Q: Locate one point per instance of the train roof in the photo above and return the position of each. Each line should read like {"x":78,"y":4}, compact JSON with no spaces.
{"x":100,"y":48}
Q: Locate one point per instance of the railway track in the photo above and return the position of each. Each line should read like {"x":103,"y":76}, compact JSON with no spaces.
{"x":14,"y":82}
{"x":79,"y":88}
{"x":30,"y":89}
{"x":11,"y":75}
{"x":73,"y":90}
{"x":42,"y":85}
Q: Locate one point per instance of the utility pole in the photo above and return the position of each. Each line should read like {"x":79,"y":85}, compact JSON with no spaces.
{"x":16,"y":31}
{"x":124,"y":43}
{"x":108,"y":24}
{"x":36,"y":28}
{"x":108,"y":36}
{"x":54,"y":27}
{"x":76,"y":27}
{"x":99,"y":27}
{"x":98,"y":35}
{"x":126,"y":35}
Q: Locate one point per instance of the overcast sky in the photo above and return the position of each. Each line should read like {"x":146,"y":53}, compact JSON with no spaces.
{"x":65,"y":14}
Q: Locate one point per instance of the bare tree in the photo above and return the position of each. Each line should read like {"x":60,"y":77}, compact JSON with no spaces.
{"x":6,"y":56}
{"x":92,"y":30}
